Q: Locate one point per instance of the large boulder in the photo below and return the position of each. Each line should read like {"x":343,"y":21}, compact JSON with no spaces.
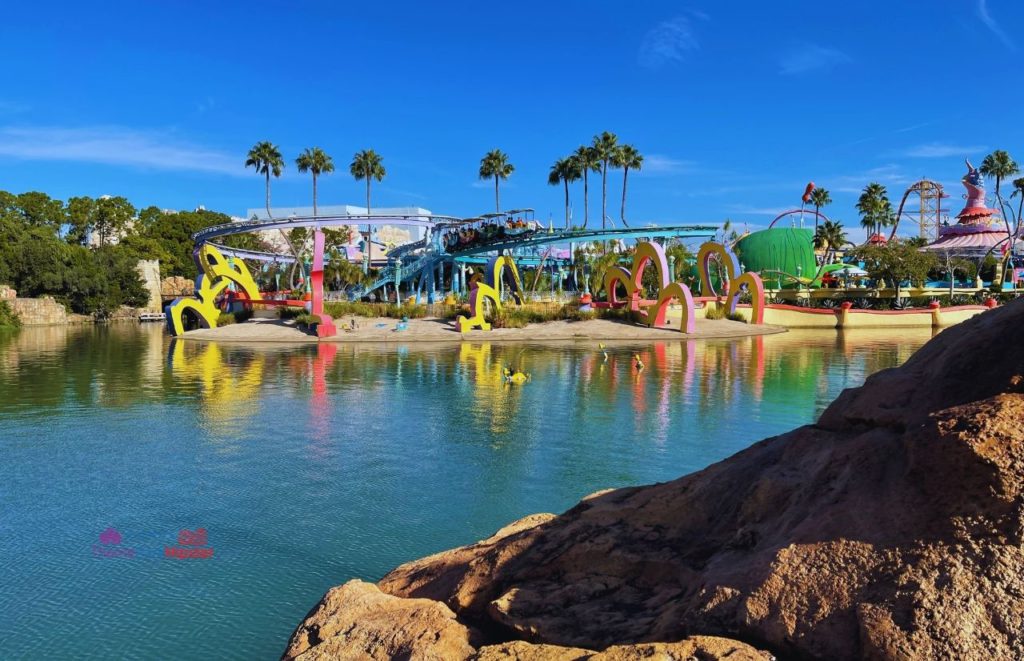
{"x":891,"y":530}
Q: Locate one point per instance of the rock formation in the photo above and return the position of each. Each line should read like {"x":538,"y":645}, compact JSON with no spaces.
{"x":892,"y":529}
{"x":176,"y":285}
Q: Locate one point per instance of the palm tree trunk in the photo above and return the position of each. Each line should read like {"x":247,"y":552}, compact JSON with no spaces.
{"x":314,"y":195}
{"x":269,"y":217}
{"x":497,"y":198}
{"x":1020,"y":210}
{"x":817,"y":208}
{"x":566,"y":182}
{"x":586,"y":203}
{"x":604,"y":193}
{"x":622,"y":212}
{"x":369,"y":231}
{"x":1009,"y":231}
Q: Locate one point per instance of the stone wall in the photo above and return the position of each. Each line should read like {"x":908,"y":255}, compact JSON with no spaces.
{"x":38,"y":311}
{"x":149,"y":271}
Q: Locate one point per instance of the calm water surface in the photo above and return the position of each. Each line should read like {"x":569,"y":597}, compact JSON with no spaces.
{"x":308,"y":466}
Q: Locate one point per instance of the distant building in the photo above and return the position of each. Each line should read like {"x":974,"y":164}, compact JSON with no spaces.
{"x":388,"y":236}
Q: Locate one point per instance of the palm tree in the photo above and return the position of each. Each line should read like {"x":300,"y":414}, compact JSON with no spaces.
{"x":1018,"y":191}
{"x":819,"y":198}
{"x":495,"y":164}
{"x":367,"y":165}
{"x":999,"y":165}
{"x":628,"y":158}
{"x":587,"y":159}
{"x":829,"y":236}
{"x":874,"y":208}
{"x":564,"y":171}
{"x":316,"y":161}
{"x":266,"y":158}
{"x":605,"y":147}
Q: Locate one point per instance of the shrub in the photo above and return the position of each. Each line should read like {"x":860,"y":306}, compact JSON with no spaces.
{"x":284,"y":313}
{"x":338,"y":309}
{"x":228,"y":318}
{"x":736,"y":316}
{"x":305,"y":320}
{"x":7,"y":317}
{"x":715,"y":312}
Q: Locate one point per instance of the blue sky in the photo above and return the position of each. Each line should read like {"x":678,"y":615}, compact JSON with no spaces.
{"x":736,"y":105}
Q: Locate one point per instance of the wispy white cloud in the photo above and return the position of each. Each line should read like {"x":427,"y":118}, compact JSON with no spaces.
{"x":941,"y":150}
{"x":811,"y":57}
{"x":661,"y":164}
{"x":114,"y":145}
{"x":993,"y":26}
{"x":669,"y":41}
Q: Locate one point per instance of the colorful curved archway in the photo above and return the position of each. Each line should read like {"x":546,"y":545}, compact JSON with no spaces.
{"x":673,"y":290}
{"x":489,"y":291}
{"x":645,"y":253}
{"x":216,"y":274}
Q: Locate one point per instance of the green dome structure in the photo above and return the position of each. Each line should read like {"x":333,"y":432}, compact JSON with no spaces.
{"x":779,"y":255}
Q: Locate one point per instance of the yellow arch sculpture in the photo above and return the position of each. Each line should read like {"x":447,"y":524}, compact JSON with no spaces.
{"x":484,"y":291}
{"x":217,"y":274}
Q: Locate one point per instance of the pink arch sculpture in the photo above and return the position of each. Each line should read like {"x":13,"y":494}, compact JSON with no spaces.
{"x":646,"y":253}
{"x":672,"y":290}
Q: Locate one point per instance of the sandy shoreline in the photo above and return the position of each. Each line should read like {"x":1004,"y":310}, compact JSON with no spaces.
{"x":439,"y":330}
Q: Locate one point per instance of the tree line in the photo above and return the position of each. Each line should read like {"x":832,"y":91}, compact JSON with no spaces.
{"x":84,"y":251}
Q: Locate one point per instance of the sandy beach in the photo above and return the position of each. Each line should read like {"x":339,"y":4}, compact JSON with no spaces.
{"x":441,"y":330}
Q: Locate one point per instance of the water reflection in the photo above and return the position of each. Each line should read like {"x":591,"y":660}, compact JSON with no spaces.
{"x":313,"y":464}
{"x":118,"y":366}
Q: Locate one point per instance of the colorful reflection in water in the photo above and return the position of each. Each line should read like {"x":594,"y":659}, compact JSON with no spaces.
{"x":308,"y":465}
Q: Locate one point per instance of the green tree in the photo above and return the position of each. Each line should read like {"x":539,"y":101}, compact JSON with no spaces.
{"x":41,"y":210}
{"x":628,"y":158}
{"x":495,"y":164}
{"x":605,"y":146}
{"x":830,"y":237}
{"x":367,"y":165}
{"x":874,"y":208}
{"x":112,"y":218}
{"x":79,"y":216}
{"x":1018,"y":191}
{"x":999,"y":165}
{"x":897,"y":261}
{"x":819,"y":198}
{"x":564,"y":171}
{"x":587,"y":160}
{"x":266,"y":158}
{"x":315,"y":161}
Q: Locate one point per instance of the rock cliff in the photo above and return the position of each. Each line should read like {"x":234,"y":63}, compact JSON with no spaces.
{"x":892,"y":529}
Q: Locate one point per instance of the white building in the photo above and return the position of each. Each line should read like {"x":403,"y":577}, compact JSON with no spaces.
{"x":387,"y":235}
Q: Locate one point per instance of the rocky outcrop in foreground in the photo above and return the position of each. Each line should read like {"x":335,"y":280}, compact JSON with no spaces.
{"x":892,"y":529}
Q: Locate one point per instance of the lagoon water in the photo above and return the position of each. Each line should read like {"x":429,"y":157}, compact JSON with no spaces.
{"x":307,"y":466}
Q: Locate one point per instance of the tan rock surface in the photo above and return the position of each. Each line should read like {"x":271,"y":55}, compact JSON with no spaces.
{"x":358,"y":621}
{"x":892,"y":530}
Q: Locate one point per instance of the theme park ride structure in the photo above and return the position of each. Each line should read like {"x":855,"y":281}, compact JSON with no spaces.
{"x":218,"y":272}
{"x":224,"y":278}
